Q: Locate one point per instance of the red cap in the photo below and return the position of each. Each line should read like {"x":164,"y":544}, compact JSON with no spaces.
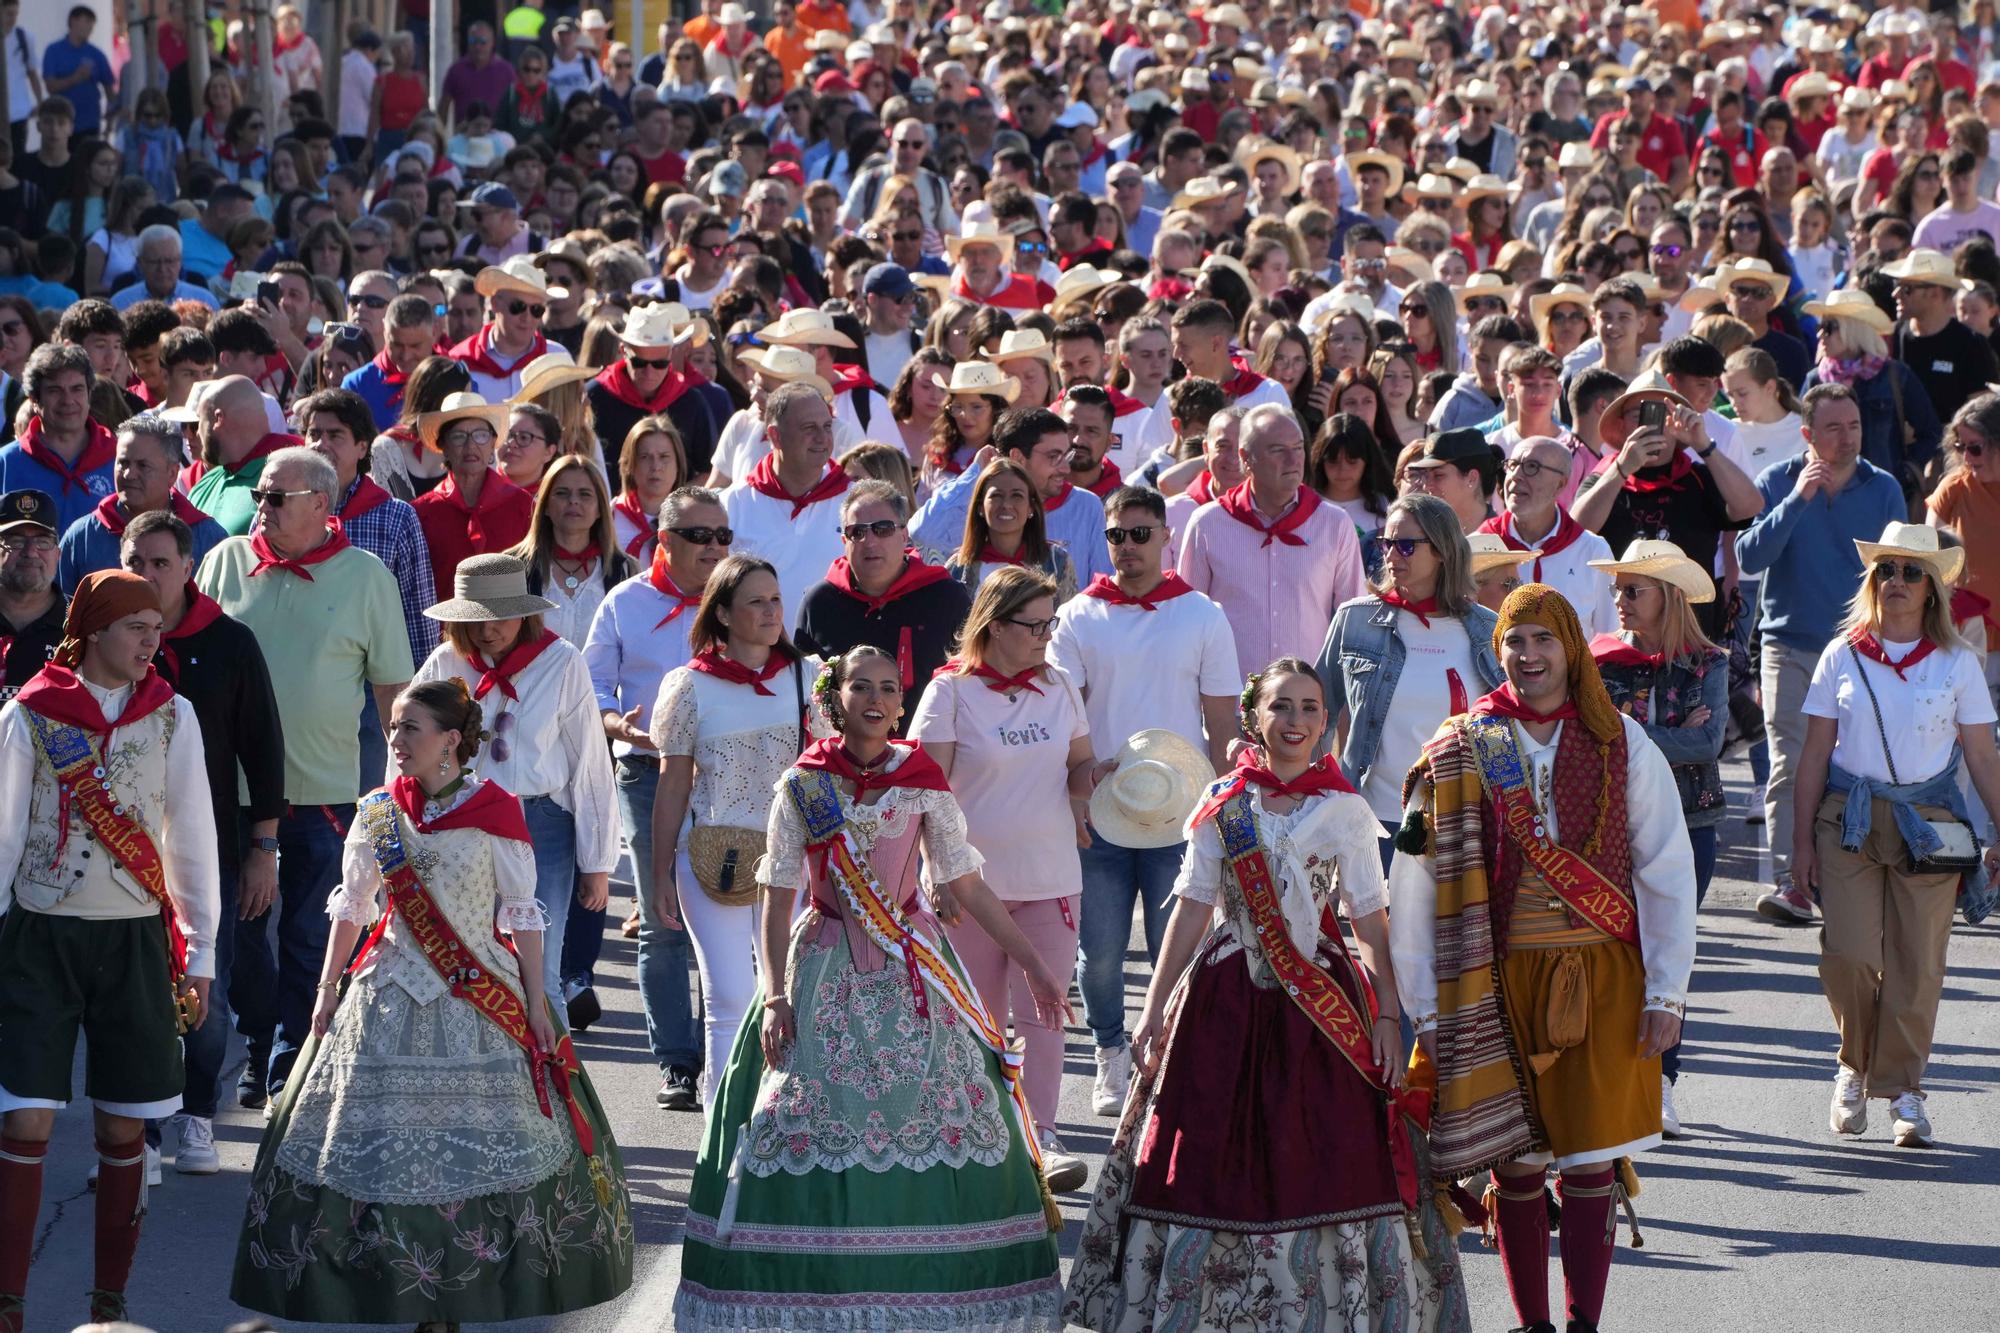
{"x":833,"y":81}
{"x":788,"y":171}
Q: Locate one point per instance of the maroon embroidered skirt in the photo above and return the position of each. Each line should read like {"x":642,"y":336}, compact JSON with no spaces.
{"x":1258,"y":1123}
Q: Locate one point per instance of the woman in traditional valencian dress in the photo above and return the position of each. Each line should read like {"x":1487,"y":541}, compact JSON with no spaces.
{"x":1252,"y":1181}
{"x":867,"y":1164}
{"x":440,"y":1156}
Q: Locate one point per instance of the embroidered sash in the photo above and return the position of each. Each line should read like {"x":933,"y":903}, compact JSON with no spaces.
{"x":461,"y":968}
{"x":1317,"y":995}
{"x":862,"y":897}
{"x":1583,"y":888}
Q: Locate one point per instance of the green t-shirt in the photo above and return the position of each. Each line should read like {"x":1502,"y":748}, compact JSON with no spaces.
{"x":224,"y":495}
{"x":325,"y":641}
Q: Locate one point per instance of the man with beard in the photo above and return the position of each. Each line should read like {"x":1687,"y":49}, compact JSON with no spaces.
{"x":31,"y":610}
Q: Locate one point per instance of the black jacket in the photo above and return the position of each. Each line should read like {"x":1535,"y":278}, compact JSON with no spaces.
{"x":220,"y":670}
{"x":919,"y":628}
{"x":689,"y":412}
{"x":28,"y":649}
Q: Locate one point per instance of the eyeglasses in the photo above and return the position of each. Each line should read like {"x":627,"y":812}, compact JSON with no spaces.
{"x":346,"y":334}
{"x":705,"y":536}
{"x":1138,"y":536}
{"x":460,"y":439}
{"x":1970,"y":448}
{"x":907,"y":236}
{"x":1570,"y":315}
{"x":12,"y":327}
{"x":516,"y":307}
{"x":1745,"y":225}
{"x":1629,"y":592}
{"x":368,"y":301}
{"x":526,"y":437}
{"x":38,"y":545}
{"x":1477,"y":303}
{"x":1403,"y":546}
{"x":1037,"y":629}
{"x":276,"y":499}
{"x":1527,"y":467}
{"x":1669,"y":251}
{"x":713,"y":251}
{"x":1887,"y":570}
{"x":434,"y":248}
{"x":881,"y":527}
{"x":1627,"y":256}
{"x":917,"y":144}
{"x":1031,"y":248}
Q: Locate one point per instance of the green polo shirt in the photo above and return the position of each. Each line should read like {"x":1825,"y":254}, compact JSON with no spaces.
{"x":325,"y":641}
{"x":224,"y":493}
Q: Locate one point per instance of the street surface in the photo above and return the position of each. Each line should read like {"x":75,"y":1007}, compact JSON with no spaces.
{"x":1759,"y":1219}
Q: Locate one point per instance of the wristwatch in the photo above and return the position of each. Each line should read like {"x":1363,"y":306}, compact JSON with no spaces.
{"x":1704,"y":453}
{"x":264,"y":845}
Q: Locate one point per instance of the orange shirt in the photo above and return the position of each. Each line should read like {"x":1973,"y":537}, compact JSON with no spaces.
{"x":701,"y":30}
{"x":1971,"y":509}
{"x":793,"y":50}
{"x":814,"y":18}
{"x":1687,"y":13}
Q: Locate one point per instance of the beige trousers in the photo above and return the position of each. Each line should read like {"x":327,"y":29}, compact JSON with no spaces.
{"x":1882,"y":948}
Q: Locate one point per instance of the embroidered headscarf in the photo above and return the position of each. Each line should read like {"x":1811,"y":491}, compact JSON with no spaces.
{"x":1539,"y":604}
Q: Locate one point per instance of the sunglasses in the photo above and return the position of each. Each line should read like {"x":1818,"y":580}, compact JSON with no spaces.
{"x":275,"y":499}
{"x":647,"y":363}
{"x":1403,"y":546}
{"x":345,"y":333}
{"x":1138,"y":536}
{"x":906,"y":236}
{"x":516,"y":307}
{"x":1629,"y":592}
{"x":1627,"y":256}
{"x":1750,"y":291}
{"x":705,"y":536}
{"x":1887,"y":570}
{"x":1567,"y":316}
{"x":881,"y":527}
{"x":370,"y":302}
{"x":1970,"y":448}
{"x":12,"y":327}
{"x":1669,"y":251}
{"x":713,"y":251}
{"x":1745,"y":225}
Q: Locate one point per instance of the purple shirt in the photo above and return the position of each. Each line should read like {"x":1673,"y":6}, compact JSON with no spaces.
{"x":466,"y":83}
{"x":1279,"y":598}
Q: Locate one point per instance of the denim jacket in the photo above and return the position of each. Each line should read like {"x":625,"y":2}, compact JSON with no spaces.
{"x":1977,"y":894}
{"x":1362,"y":661}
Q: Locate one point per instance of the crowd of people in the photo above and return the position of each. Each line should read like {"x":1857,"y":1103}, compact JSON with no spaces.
{"x":924,"y":488}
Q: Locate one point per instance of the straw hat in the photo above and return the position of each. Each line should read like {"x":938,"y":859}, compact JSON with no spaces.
{"x":647,"y":328}
{"x":490,"y":587}
{"x":1919,"y":542}
{"x":1410,"y":264}
{"x":1403,"y":49}
{"x":518,"y":274}
{"x":1231,"y":15}
{"x":1663,"y":561}
{"x":981,"y":232}
{"x":1253,"y":151}
{"x":1856,"y":98}
{"x":1701,"y":297}
{"x":1851,"y":303}
{"x":1146,"y":799}
{"x":1233,"y":265}
{"x":552,"y":369}
{"x":1081,"y":281}
{"x":461,"y":407}
{"x":979,"y":377}
{"x":1490,"y":552}
{"x":1485,"y":185}
{"x":1479,"y":92}
{"x":1563,"y":293}
{"x":1357,"y":304}
{"x":1813,"y":84}
{"x":804,"y":326}
{"x":1647,"y":384}
{"x":1485,"y":284}
{"x":1931,"y":268}
{"x":1204,"y":190}
{"x":1760,"y":270}
{"x":1431,"y":185}
{"x":1022,"y":344}
{"x":1577,"y":156}
{"x":788,"y":365}
{"x":1463,"y":168}
{"x":1371,"y":158}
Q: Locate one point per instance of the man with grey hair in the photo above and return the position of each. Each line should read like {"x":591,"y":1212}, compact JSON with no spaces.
{"x":160,"y":273}
{"x":368,"y":295}
{"x":881,"y":593}
{"x":281,"y":583}
{"x":148,"y":459}
{"x":62,"y":452}
{"x":371,"y":238}
{"x":1531,"y":486}
{"x":787,"y":509}
{"x":236,"y":436}
{"x":909,"y":144}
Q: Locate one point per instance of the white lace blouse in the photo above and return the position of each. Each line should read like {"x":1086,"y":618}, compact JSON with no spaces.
{"x":359,"y":896}
{"x":741,"y":741}
{"x":947,"y":854}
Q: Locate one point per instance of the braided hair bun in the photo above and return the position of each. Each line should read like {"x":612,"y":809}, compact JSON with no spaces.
{"x":453,"y":708}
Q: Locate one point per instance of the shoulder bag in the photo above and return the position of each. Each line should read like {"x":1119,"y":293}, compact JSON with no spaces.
{"x":724,"y":856}
{"x":1958,"y":851}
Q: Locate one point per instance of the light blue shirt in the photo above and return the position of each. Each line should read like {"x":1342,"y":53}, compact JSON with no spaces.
{"x":131,"y":294}
{"x":629,"y":651}
{"x":1078,"y":523}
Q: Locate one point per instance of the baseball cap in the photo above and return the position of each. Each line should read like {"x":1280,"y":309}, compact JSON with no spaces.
{"x":1075,"y":116}
{"x":492,"y":195}
{"x":27,"y":509}
{"x":890,"y":280}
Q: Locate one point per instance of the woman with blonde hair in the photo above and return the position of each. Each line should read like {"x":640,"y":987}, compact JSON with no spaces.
{"x":1898,"y":423}
{"x":1872,"y":809}
{"x":1005,"y":526}
{"x":571,"y":549}
{"x":651,"y":463}
{"x":872,"y":460}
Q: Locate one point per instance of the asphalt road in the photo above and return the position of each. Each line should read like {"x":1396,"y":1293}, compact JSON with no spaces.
{"x":1759,"y":1219}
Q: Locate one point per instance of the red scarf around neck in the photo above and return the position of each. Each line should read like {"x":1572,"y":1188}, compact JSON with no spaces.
{"x":367,"y":498}
{"x":989,"y":555}
{"x":1106,"y":589}
{"x":100,"y":448}
{"x":916,"y":574}
{"x":1609,"y":650}
{"x":1202,"y":490}
{"x":492,"y":808}
{"x":1503,"y":702}
{"x":1236,"y":502}
{"x":501,"y":674}
{"x":628,"y":504}
{"x":202,"y":611}
{"x":1565,"y":535}
{"x":712,"y":663}
{"x":616,"y":380}
{"x":764,"y":480}
{"x":1246,"y":381}
{"x":113,"y":517}
{"x":1423,"y":609}
{"x":59,"y":694}
{"x":1871,"y":648}
{"x":918,"y":771}
{"x":1663,"y":478}
{"x":1107,"y":481}
{"x":663,"y":583}
{"x":1122,"y":404}
{"x":476,"y":353}
{"x":1323,"y":776}
{"x":391,"y":376}
{"x":1062,"y":498}
{"x":996,"y":682}
{"x":267,"y":558}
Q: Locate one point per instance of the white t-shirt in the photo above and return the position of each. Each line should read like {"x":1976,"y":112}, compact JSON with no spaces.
{"x":357,"y":90}
{"x":886,"y":354}
{"x":1760,"y":444}
{"x":800,"y":549}
{"x":1923,"y":711}
{"x":24,"y":53}
{"x":700,"y":300}
{"x":743,"y":442}
{"x":1140,"y":669}
{"x":1422,"y":701}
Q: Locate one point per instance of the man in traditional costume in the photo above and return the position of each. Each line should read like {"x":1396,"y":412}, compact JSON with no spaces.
{"x":1544,"y":832}
{"x":108,"y":865}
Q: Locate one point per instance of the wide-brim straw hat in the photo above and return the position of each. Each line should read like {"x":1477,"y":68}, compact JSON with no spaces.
{"x":1253,"y":151}
{"x":804,"y":327}
{"x":461,"y":407}
{"x":1369,"y":157}
{"x":551,"y":370}
{"x":1851,"y":303}
{"x":1485,"y":185}
{"x":979,"y":377}
{"x":1081,"y":281}
{"x":1563,"y":293}
{"x":1663,"y":561}
{"x":1233,"y":265}
{"x":788,"y":365}
{"x":490,"y":587}
{"x":1700,"y":298}
{"x":1431,"y":185}
{"x":1918,"y":542}
{"x":1205,"y":190}
{"x":1022,"y":344}
{"x":1409,"y":263}
{"x":1489,"y":552}
{"x":1932,"y":268}
{"x":1810,"y":84}
{"x":1760,"y":270}
{"x":1464,"y":168}
{"x":1146,"y":799}
{"x":1487,"y":285}
{"x":983,"y":232}
{"x":1646,"y":384}
{"x":518,"y":274}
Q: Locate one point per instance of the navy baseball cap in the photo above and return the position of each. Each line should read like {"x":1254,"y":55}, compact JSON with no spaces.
{"x":492,"y":195}
{"x":27,"y":509}
{"x":890,"y":280}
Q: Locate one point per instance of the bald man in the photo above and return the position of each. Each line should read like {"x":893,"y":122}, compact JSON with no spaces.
{"x":236,"y":436}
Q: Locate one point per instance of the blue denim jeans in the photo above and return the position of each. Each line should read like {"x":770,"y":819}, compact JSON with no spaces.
{"x":309,"y":839}
{"x":583,"y":944}
{"x":1114,"y":878}
{"x":671,"y":1029}
{"x":374,"y":749}
{"x":553,"y":830}
{"x":1703,"y":841}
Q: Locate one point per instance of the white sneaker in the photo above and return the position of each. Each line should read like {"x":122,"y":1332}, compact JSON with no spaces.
{"x":1755,"y":814}
{"x":152,"y":1170}
{"x":194,"y":1146}
{"x":1114,"y":1079}
{"x":1062,"y":1171}
{"x":1912,"y":1125}
{"x":1849,"y":1114}
{"x":1670,"y":1118}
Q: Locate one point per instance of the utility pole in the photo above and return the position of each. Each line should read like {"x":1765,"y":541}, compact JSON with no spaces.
{"x":444,"y":50}
{"x":266,"y":74}
{"x":194,"y":28}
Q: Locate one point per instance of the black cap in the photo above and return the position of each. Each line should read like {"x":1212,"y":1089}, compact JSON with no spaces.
{"x":27,"y":509}
{"x":1466,"y":448}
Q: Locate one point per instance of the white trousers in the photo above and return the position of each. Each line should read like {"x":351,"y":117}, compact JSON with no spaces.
{"x":725,"y":949}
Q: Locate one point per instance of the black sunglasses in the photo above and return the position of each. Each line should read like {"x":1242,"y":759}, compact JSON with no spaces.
{"x":275,"y":499}
{"x":1138,"y":536}
{"x":372,"y":302}
{"x":647,"y":363}
{"x":881,"y":527}
{"x":705,"y":536}
{"x":515,"y":307}
{"x":1888,"y":569}
{"x":1403,"y":546}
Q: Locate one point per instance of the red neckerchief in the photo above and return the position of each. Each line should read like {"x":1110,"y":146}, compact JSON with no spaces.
{"x":1423,"y":609}
{"x":1566,"y":533}
{"x":113,"y":518}
{"x":990,"y":556}
{"x":1611,"y":651}
{"x":491,"y":492}
{"x":202,"y":611}
{"x":628,"y":505}
{"x":1106,"y":589}
{"x":267,"y":558}
{"x":763,"y":479}
{"x":1659,"y":481}
{"x":391,"y":376}
{"x":279,"y":44}
{"x":996,"y":682}
{"x":847,"y":378}
{"x":1871,"y":647}
{"x":916,"y":574}
{"x":1122,"y":404}
{"x":58,"y":694}
{"x":586,"y":556}
{"x":1107,"y":481}
{"x":501,"y":674}
{"x":1062,"y":498}
{"x":1020,"y":292}
{"x":663,"y":583}
{"x":1323,"y":776}
{"x":492,"y":809}
{"x":1503,"y":702}
{"x":918,"y":770}
{"x":1236,"y":503}
{"x":476,"y":353}
{"x":1967,"y":605}
{"x":263,"y":449}
{"x":1092,"y":248}
{"x":367,"y":498}
{"x":712,"y":663}
{"x":529,"y":103}
{"x":616,"y":380}
{"x":1246,"y":380}
{"x":100,"y":448}
{"x":1203,"y":488}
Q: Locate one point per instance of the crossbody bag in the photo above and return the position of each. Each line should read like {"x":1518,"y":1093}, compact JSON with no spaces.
{"x":1958,"y":850}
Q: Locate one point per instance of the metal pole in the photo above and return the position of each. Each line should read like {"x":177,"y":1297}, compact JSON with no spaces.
{"x":266,"y":73}
{"x":443,"y":52}
{"x":194,"y":28}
